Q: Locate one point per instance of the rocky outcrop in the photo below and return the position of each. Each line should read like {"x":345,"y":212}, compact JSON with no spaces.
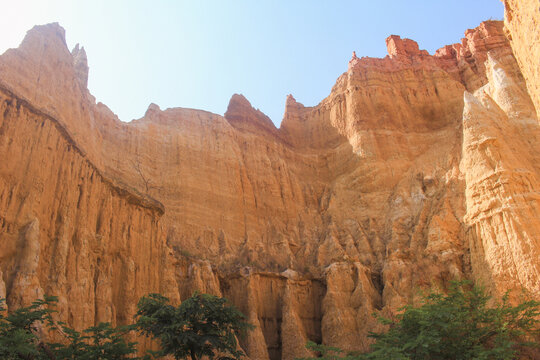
{"x":500,"y":157}
{"x":241,"y":115}
{"x":287,"y":311}
{"x":25,"y":285}
{"x":521,"y":21}
{"x":80,"y":65}
{"x":417,"y":169}
{"x":67,"y":230}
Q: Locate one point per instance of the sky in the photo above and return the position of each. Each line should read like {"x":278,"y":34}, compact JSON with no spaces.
{"x":198,"y":53}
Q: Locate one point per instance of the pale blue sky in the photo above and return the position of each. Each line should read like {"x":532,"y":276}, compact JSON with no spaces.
{"x":197,"y":54}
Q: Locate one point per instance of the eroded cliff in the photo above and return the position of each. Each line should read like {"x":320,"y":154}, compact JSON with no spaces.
{"x":417,"y":169}
{"x":522,"y":21}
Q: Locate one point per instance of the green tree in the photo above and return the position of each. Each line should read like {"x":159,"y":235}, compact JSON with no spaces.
{"x":19,"y":336}
{"x":458,"y":325}
{"x":19,"y":330}
{"x":203,"y":325}
{"x":101,"y":342}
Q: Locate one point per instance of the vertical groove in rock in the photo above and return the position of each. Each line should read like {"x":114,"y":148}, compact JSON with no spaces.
{"x":417,"y":169}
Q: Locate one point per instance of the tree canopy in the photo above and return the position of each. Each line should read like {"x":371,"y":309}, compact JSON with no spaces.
{"x":203,"y":325}
{"x":21,"y":330}
{"x":457,"y":325}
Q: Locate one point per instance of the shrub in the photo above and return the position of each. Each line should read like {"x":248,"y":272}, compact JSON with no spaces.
{"x":203,"y":325}
{"x":458,"y":325}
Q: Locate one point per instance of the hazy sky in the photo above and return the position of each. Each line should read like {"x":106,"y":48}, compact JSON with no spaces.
{"x":198,"y":53}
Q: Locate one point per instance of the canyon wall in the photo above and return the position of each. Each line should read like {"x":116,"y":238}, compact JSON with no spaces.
{"x":417,"y":169}
{"x":68,"y":230}
{"x":522,"y":21}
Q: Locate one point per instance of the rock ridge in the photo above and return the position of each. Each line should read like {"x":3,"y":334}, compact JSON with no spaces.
{"x":132,"y":195}
{"x":417,"y":169}
{"x":242,"y":115}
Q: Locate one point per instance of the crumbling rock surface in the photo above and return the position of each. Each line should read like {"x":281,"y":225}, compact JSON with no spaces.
{"x":521,"y":22}
{"x":417,"y":169}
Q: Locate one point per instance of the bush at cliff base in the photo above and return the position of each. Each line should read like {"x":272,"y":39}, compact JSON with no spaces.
{"x":202,"y":326}
{"x":458,"y":325}
{"x":21,"y":330}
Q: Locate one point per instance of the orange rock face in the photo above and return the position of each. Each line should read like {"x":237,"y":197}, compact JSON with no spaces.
{"x":522,"y":21}
{"x":414,"y":171}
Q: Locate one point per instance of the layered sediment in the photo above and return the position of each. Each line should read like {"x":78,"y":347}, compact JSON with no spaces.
{"x":417,"y":169}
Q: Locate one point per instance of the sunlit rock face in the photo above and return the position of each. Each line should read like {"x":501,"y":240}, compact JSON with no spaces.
{"x":521,"y":22}
{"x":417,"y":169}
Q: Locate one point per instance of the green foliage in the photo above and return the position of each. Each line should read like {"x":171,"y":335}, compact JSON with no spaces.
{"x":19,"y":337}
{"x":18,"y":330}
{"x":203,"y":325}
{"x":101,"y":342}
{"x":330,"y":352}
{"x":459,"y":325}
